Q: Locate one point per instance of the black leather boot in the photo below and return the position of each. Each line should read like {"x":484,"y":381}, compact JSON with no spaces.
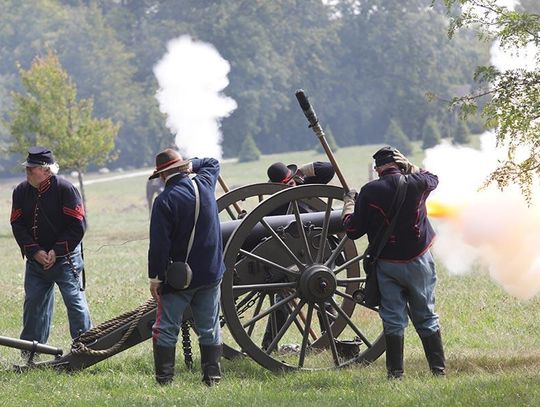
{"x":394,"y":356}
{"x":164,"y":357}
{"x":433,"y":349}
{"x":211,"y":370}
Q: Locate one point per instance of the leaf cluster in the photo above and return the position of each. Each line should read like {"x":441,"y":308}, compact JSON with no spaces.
{"x":49,"y":113}
{"x":513,"y":96}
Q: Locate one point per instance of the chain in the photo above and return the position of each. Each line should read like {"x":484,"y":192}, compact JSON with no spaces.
{"x":248,"y":305}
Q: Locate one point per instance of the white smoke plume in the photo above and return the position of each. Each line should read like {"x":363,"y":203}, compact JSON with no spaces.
{"x":491,"y":227}
{"x":191,"y":77}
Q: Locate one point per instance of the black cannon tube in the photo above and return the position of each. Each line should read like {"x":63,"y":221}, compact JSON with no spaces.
{"x":259,"y":231}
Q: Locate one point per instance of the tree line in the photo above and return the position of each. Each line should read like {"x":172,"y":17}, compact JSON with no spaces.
{"x":367,"y":67}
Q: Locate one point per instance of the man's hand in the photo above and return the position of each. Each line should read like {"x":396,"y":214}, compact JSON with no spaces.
{"x":42,"y":257}
{"x":403,"y":163}
{"x":349,"y":199}
{"x":47,"y":260}
{"x":155,"y":289}
{"x":52,"y":259}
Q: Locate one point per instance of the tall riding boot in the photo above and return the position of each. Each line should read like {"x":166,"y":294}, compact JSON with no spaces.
{"x":164,"y":357}
{"x":210,"y":355}
{"x":394,"y":356}
{"x":433,"y":349}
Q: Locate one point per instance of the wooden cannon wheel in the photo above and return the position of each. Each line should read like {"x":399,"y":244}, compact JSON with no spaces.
{"x":309,"y":283}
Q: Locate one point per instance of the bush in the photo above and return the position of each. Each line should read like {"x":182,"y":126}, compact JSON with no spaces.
{"x":431,"y":135}
{"x":395,"y":137}
{"x":249,"y":150}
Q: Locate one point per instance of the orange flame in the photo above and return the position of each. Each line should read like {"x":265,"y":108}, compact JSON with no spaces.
{"x":437,"y":209}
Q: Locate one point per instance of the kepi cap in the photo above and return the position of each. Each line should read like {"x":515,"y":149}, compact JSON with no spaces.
{"x":384,"y":155}
{"x":38,"y":157}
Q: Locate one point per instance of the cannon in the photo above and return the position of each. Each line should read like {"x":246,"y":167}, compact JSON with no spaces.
{"x":296,"y":276}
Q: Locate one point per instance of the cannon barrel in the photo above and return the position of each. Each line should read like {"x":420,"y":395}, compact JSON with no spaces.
{"x":283,"y":222}
{"x":30,"y":346}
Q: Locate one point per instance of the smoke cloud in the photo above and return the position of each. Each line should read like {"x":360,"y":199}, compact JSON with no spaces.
{"x":491,"y":227}
{"x":191,"y":77}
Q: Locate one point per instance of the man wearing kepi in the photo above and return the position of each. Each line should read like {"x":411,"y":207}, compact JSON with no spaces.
{"x":48,"y":222}
{"x":173,"y":221}
{"x":405,"y":268}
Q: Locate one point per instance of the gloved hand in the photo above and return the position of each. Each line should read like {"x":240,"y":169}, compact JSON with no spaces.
{"x":349,"y":199}
{"x":404,"y":164}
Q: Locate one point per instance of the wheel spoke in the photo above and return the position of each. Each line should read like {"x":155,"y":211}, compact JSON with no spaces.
{"x":348,"y":263}
{"x":301,"y":231}
{"x":344,"y":295}
{"x":237,"y":289}
{"x":305,"y":338}
{"x":255,"y":313}
{"x":329,"y":333}
{"x":269,"y":310}
{"x":270,"y":263}
{"x":230,"y":212}
{"x":344,"y":282}
{"x":351,"y":324}
{"x":303,"y":318}
{"x":289,"y":252}
{"x":324,"y":234}
{"x":336,"y":252}
{"x":328,"y":314}
{"x":288,"y":322}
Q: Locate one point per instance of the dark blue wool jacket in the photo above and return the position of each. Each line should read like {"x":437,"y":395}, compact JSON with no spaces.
{"x":49,"y":217}
{"x":413,"y":234}
{"x":171,"y":224}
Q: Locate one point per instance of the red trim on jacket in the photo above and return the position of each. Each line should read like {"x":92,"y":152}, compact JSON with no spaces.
{"x":77,"y":213}
{"x":16,"y":213}
{"x":44,"y":186}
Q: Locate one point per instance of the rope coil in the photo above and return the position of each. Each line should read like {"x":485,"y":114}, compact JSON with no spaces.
{"x":80,"y":344}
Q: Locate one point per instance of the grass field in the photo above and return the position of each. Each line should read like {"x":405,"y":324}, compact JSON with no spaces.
{"x":492,"y":339}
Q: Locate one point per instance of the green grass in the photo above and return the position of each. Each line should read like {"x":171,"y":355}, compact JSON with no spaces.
{"x":492,"y":339}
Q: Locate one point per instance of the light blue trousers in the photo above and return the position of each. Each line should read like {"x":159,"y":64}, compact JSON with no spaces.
{"x":408,"y":288}
{"x":39,"y":297}
{"x":204,"y":302}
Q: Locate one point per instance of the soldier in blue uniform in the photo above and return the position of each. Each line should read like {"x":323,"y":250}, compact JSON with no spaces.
{"x":48,"y":222}
{"x":172,"y":222}
{"x":405,"y":268}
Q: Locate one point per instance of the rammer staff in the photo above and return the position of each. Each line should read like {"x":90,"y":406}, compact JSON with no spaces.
{"x":226,"y":189}
{"x":314,"y":124}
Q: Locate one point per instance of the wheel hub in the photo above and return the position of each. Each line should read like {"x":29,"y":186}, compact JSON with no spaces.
{"x":317,"y":284}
